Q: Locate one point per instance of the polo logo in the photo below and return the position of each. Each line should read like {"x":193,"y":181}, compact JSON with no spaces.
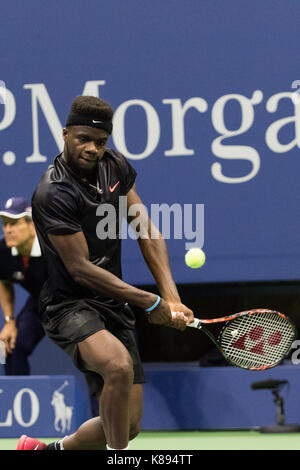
{"x":63,"y":413}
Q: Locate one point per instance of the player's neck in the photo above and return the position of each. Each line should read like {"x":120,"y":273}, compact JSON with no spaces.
{"x":90,"y":176}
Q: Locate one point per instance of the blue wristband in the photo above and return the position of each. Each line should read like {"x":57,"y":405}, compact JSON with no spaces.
{"x":154,"y":305}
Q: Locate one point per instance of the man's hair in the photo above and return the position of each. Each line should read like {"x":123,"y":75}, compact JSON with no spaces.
{"x":91,"y":105}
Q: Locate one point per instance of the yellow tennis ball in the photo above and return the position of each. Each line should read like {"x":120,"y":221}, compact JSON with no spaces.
{"x":195,"y":258}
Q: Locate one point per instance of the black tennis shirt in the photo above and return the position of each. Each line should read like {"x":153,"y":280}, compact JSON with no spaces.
{"x":64,"y":204}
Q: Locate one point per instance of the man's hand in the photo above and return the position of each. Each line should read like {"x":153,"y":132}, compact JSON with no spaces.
{"x":162,"y":315}
{"x":182,"y":315}
{"x":9,"y":334}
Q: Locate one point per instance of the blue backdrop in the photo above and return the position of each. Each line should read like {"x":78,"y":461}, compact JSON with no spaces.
{"x":207,"y":111}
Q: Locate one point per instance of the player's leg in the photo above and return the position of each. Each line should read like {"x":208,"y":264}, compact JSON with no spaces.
{"x":136,"y":410}
{"x":105,"y":354}
{"x":107,"y":357}
{"x":90,"y":435}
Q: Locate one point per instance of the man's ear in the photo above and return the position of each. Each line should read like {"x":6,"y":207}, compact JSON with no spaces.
{"x":65,"y":133}
{"x":32,"y":229}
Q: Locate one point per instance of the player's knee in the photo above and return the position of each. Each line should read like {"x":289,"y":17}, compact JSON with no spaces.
{"x":121,"y":372}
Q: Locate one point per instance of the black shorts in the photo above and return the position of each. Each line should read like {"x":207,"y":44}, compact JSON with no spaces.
{"x":71,"y":322}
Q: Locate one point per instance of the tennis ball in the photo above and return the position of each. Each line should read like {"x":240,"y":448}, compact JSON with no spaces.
{"x":195,"y":258}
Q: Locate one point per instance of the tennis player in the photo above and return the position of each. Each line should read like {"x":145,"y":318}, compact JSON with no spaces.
{"x":85,"y":303}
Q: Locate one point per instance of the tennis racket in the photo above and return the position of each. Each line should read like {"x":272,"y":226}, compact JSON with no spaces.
{"x":255,"y":339}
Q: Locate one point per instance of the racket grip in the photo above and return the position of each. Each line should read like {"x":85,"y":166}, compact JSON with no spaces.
{"x":195,"y":324}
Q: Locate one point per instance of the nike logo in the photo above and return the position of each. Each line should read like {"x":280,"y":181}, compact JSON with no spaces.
{"x":36,"y":447}
{"x":97,"y":122}
{"x":112,"y":188}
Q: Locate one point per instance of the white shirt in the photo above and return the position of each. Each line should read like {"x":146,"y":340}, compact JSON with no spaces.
{"x":35,"y":249}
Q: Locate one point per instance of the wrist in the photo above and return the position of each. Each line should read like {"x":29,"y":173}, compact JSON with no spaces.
{"x":171,"y":296}
{"x":9,"y":318}
{"x":173,"y":301}
{"x":154,"y":305}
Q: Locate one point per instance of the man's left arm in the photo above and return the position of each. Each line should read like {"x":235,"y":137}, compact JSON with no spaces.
{"x":155,"y":253}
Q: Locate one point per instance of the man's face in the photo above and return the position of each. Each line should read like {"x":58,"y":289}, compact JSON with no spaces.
{"x":84,"y":147}
{"x":17,"y":232}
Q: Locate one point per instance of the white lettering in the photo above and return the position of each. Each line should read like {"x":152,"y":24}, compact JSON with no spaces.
{"x":35,"y":407}
{"x":153,"y":129}
{"x":9,"y":417}
{"x":8,"y":421}
{"x":106,"y":227}
{"x":178,"y":114}
{"x":2,"y":92}
{"x":273,"y":130}
{"x":234,"y":152}
{"x":164,"y":211}
{"x":198,"y":234}
{"x":295,"y":356}
{"x":39,"y":95}
{"x":91,"y":87}
{"x":138,"y":228}
{"x":9,"y":110}
{"x":220,"y":147}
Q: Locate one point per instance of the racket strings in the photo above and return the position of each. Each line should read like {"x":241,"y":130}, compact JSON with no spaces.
{"x":258,"y":340}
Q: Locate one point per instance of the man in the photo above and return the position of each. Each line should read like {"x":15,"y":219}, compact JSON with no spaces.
{"x":84,"y":303}
{"x":20,"y":263}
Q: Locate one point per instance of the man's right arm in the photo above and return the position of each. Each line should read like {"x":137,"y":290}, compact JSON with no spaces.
{"x":9,"y":331}
{"x":73,"y":251}
{"x":7,"y":298}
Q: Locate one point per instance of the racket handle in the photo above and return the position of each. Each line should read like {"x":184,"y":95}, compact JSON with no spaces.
{"x":195,"y":324}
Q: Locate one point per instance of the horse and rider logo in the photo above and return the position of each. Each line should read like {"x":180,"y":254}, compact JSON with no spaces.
{"x":63,"y":413}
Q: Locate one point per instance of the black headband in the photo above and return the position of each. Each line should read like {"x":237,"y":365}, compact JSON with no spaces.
{"x":85,"y":120}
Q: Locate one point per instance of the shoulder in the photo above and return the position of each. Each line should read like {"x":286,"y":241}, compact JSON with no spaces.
{"x":116,"y":157}
{"x":5,"y":253}
{"x":3,"y":247}
{"x":51,"y":188}
{"x":47,"y":190}
{"x":120,"y":163}
{"x":122,"y":169}
{"x":56,"y":203}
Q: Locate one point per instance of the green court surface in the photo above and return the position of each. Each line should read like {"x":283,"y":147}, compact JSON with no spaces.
{"x":200,"y":440}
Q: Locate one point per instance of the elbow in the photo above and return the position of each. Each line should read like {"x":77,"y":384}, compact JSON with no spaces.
{"x":77,"y":271}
